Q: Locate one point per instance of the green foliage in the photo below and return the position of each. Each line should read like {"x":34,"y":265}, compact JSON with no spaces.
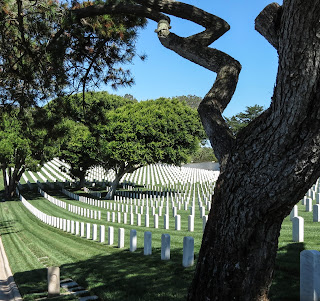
{"x":203,"y":154}
{"x":192,"y":101}
{"x":24,"y":143}
{"x":241,"y":120}
{"x":161,"y":130}
{"x":44,"y":49}
{"x":74,"y":121}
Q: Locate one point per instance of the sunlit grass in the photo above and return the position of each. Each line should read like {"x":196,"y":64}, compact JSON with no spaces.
{"x":117,"y":274}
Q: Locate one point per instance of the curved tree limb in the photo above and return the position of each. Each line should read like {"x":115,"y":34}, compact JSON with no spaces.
{"x":267,"y":23}
{"x":195,"y":49}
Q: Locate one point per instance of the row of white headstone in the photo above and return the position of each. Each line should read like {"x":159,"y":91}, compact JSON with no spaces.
{"x":86,"y":212}
{"x":84,"y":230}
{"x":126,"y":213}
{"x":298,"y":221}
{"x":157,"y":174}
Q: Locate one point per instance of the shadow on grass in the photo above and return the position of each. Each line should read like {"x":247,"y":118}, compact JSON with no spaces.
{"x":120,"y":276}
{"x":8,"y":227}
{"x":286,"y":281}
{"x":132,"y":276}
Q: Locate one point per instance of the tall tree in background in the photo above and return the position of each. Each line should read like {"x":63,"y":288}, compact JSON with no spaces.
{"x":24,"y":144}
{"x":147,"y":132}
{"x":271,"y":163}
{"x":242,"y":119}
{"x":74,"y":121}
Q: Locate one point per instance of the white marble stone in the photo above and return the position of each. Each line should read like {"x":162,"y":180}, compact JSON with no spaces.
{"x":204,"y":222}
{"x":178,"y":222}
{"x":110,"y":235}
{"x":166,"y":221}
{"x":188,"y":251}
{"x":309,"y":205}
{"x":121,"y":238}
{"x":294,"y":212}
{"x":298,"y":229}
{"x":102,"y":233}
{"x":82,"y":229}
{"x":147,"y":243}
{"x":310,"y":275}
{"x":156,"y":221}
{"x":146,"y":220}
{"x":88,"y":226}
{"x":53,"y":281}
{"x":133,"y":240}
{"x":94,"y":232}
{"x":165,"y":247}
{"x":191,"y":223}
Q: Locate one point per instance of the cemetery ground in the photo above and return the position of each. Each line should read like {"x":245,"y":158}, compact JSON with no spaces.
{"x":112,"y":273}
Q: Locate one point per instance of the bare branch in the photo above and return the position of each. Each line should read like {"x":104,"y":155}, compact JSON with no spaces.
{"x":267,"y":23}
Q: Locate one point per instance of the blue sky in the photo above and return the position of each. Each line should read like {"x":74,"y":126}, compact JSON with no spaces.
{"x":164,"y":73}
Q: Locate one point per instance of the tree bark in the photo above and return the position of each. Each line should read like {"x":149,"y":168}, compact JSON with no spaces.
{"x":14,"y":178}
{"x":271,"y":163}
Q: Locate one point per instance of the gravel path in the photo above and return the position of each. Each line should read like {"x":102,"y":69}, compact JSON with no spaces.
{"x":8,"y":288}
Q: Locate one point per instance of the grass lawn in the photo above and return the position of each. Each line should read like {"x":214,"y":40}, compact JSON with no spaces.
{"x":117,"y":274}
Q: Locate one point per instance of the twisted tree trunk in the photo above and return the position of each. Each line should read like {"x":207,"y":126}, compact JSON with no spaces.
{"x":271,"y":163}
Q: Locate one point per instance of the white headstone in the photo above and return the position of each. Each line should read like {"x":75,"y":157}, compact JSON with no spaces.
{"x":53,"y":281}
{"x":188,"y":251}
{"x":166,"y":221}
{"x":204,"y":222}
{"x":94,"y":232}
{"x":316,"y":213}
{"x":88,"y":231}
{"x":110,"y":235}
{"x":82,"y":229}
{"x":191,"y":223}
{"x":121,"y":238}
{"x":174,"y":211}
{"x":309,"y":275}
{"x":165,"y":247}
{"x":202,"y":211}
{"x":77,"y":231}
{"x":146,"y":220}
{"x":298,"y":229}
{"x":294,"y":212}
{"x":72,"y":227}
{"x":178,"y":222}
{"x":147,"y":243}
{"x":156,"y":221}
{"x":309,"y":205}
{"x":102,"y":233}
{"x":133,"y":240}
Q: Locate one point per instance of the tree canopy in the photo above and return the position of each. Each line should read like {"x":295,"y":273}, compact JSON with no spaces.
{"x":24,"y":144}
{"x":44,"y":51}
{"x":148,"y":132}
{"x":242,"y":119}
{"x":74,"y":122}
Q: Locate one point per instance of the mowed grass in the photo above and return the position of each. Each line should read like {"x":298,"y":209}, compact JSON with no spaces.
{"x":117,"y":274}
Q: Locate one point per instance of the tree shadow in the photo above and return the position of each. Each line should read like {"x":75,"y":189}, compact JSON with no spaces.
{"x":286,"y":280}
{"x":121,"y":275}
{"x":8,"y":227}
{"x":133,"y":276}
